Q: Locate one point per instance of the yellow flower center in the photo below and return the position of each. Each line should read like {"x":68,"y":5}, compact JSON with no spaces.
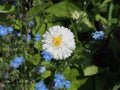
{"x":57,"y":41}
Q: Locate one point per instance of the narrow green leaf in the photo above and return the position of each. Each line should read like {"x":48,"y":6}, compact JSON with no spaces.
{"x":101,"y":19}
{"x":116,"y":87}
{"x":7,"y":8}
{"x":32,"y":86}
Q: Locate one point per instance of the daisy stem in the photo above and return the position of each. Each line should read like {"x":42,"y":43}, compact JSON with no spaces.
{"x":110,"y":14}
{"x":73,"y":25}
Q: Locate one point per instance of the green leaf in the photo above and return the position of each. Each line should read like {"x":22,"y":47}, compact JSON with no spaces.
{"x":42,"y":24}
{"x":59,"y":10}
{"x":35,"y":11}
{"x":106,"y":1}
{"x":72,"y":75}
{"x":101,"y":19}
{"x":17,"y":24}
{"x":90,"y":70}
{"x":7,"y":8}
{"x":66,"y":72}
{"x":46,"y":74}
{"x":32,"y":86}
{"x":103,"y":7}
{"x":48,"y":65}
{"x":2,"y":8}
{"x":116,"y":87}
{"x":44,"y":27}
{"x":34,"y":59}
{"x":37,"y":45}
{"x":87,"y":22}
{"x":113,"y":20}
{"x":75,"y":84}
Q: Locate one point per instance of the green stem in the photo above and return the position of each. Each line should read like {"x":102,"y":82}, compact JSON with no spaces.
{"x":73,"y":25}
{"x":110,"y":14}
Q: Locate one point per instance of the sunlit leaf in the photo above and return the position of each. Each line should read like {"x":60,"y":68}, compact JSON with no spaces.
{"x":90,"y":70}
{"x":46,"y":74}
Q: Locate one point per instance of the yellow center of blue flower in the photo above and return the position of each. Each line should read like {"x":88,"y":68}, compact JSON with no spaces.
{"x":57,"y":41}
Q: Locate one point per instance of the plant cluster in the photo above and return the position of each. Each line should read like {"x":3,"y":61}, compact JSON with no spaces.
{"x":59,"y":45}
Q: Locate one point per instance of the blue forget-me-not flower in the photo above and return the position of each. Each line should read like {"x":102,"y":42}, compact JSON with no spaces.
{"x":98,"y":35}
{"x":37,"y":37}
{"x":17,"y":61}
{"x":40,"y":86}
{"x":5,"y":30}
{"x":46,"y":55}
{"x":60,"y":82}
{"x":41,"y":69}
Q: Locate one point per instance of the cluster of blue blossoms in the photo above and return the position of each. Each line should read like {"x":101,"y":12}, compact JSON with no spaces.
{"x":5,"y":30}
{"x":46,"y":55}
{"x":98,"y":35}
{"x":60,"y":82}
{"x":17,"y":61}
{"x":40,"y":86}
{"x":28,"y":37}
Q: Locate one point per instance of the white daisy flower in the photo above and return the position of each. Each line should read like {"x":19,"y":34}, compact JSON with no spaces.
{"x":75,"y":15}
{"x":59,"y":41}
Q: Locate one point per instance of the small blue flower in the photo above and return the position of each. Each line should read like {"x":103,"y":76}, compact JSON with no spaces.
{"x":17,"y":61}
{"x":40,"y":86}
{"x":10,"y":29}
{"x":37,"y":37}
{"x":3,"y":31}
{"x":60,"y":82}
{"x":98,"y":35}
{"x":67,"y":84}
{"x":18,"y":34}
{"x":59,"y":76}
{"x":14,"y":65}
{"x":41,"y":69}
{"x":28,"y":37}
{"x":46,"y":55}
{"x":31,"y":23}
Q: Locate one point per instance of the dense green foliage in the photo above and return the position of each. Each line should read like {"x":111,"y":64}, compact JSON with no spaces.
{"x":93,"y":65}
